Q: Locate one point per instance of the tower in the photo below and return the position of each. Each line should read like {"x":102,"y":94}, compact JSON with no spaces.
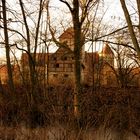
{"x":68,"y":37}
{"x":108,"y":55}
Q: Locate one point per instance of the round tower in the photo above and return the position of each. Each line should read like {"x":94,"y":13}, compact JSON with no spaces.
{"x":108,"y":55}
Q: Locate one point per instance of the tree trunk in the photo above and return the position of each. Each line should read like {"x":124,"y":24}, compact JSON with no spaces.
{"x":7,"y":47}
{"x":33,"y":76}
{"x":130,"y":27}
{"x":78,"y":56}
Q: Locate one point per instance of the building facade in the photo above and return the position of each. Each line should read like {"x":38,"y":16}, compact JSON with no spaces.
{"x":59,"y":66}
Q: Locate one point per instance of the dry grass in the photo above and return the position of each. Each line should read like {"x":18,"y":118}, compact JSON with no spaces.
{"x":62,"y":133}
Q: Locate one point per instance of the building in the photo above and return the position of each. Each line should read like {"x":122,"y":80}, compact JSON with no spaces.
{"x":4,"y":74}
{"x":41,"y":63}
{"x":59,"y":66}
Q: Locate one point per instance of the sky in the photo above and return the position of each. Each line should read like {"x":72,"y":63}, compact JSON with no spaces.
{"x":113,"y":14}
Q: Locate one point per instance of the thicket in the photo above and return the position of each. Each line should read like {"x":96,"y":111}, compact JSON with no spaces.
{"x":114,"y":108}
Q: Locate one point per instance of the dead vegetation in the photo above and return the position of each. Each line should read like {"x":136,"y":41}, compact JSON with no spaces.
{"x":113,"y":108}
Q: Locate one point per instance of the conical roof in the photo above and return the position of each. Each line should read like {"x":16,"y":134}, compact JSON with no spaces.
{"x":67,"y":34}
{"x":107,"y":50}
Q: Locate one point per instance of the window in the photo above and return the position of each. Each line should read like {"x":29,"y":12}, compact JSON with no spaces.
{"x":55,"y":65}
{"x":54,"y":58}
{"x":64,"y":58}
{"x":55,"y":75}
{"x":69,"y":65}
{"x":40,"y":63}
{"x":66,"y":75}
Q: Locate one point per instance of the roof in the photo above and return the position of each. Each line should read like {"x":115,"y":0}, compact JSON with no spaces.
{"x":92,"y":57}
{"x":4,"y":68}
{"x":107,"y":49}
{"x":40,"y":58}
{"x":67,"y":34}
{"x":136,"y":70}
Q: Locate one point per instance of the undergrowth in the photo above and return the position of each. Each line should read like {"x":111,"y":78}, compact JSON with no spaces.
{"x":113,"y":108}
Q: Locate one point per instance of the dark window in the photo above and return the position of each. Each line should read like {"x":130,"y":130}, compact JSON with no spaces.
{"x":66,"y":75}
{"x":83,"y":66}
{"x":64,"y":58}
{"x":57,"y":65}
{"x":54,"y":58}
{"x":55,"y":75}
{"x":72,"y":58}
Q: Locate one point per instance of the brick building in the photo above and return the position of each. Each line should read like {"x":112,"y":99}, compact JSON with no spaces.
{"x":4,"y":74}
{"x":59,"y":66}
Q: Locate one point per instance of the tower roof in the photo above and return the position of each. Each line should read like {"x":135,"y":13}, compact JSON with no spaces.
{"x":67,"y":34}
{"x":107,"y":50}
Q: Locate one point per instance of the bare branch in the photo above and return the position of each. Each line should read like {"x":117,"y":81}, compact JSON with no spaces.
{"x":86,"y":9}
{"x":138,"y":5}
{"x":130,"y":27}
{"x":12,"y":30}
{"x":115,"y":43}
{"x":29,"y":54}
{"x":68,"y":5}
{"x":37,"y":28}
{"x":59,"y":44}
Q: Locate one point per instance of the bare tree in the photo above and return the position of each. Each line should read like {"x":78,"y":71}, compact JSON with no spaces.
{"x":79,"y":14}
{"x":7,"y":47}
{"x":131,"y":28}
{"x":32,"y":56}
{"x":125,"y":66}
